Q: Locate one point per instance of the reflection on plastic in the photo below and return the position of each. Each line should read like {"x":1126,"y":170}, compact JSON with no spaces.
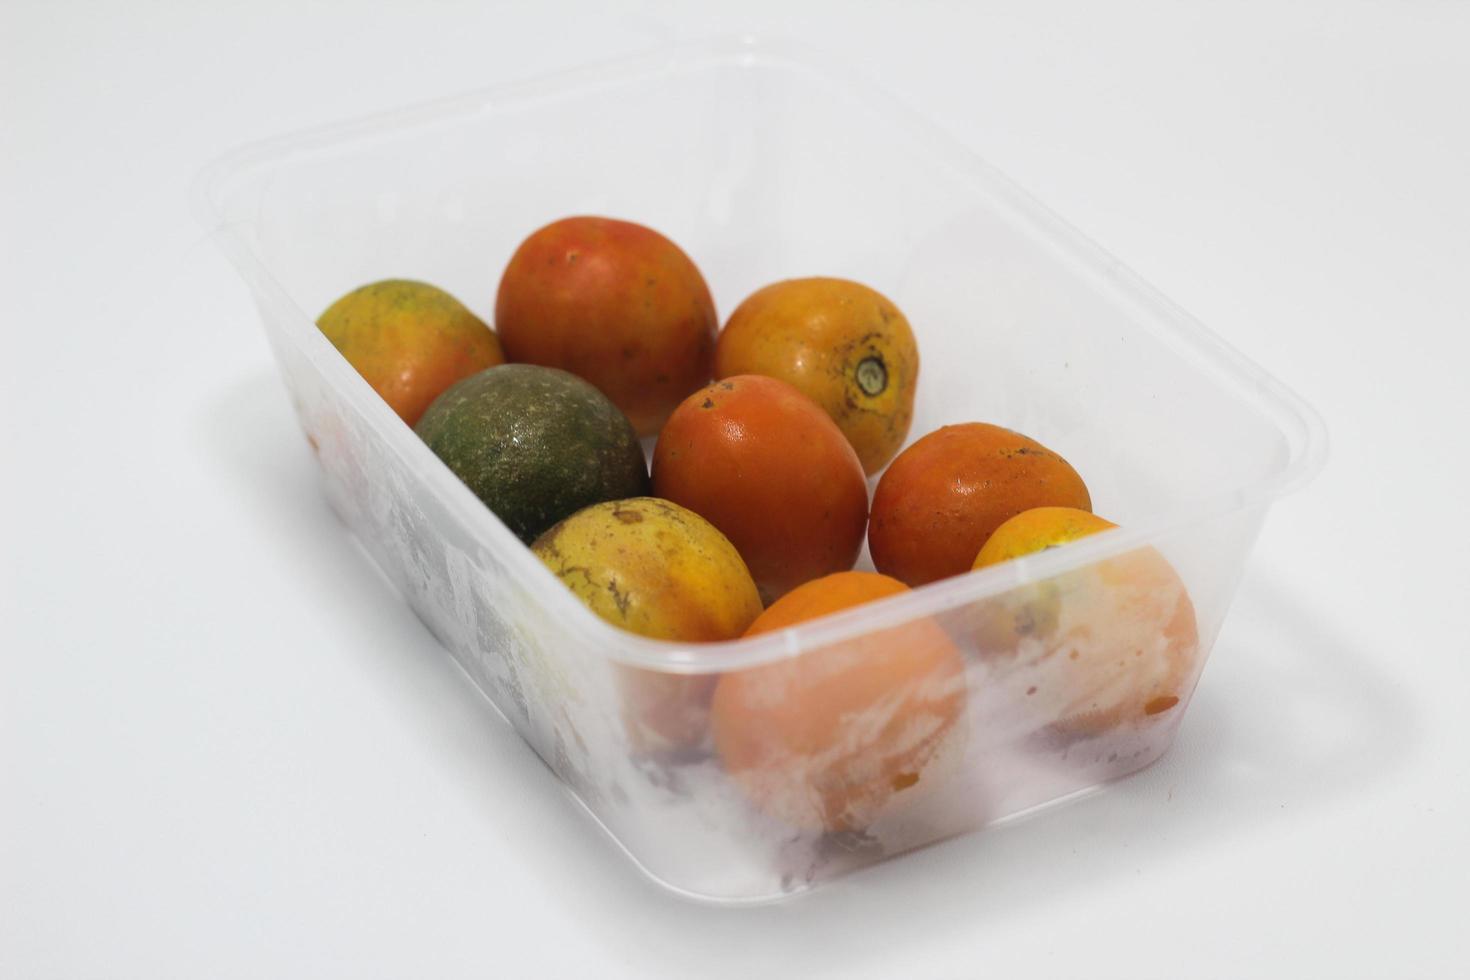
{"x":831,"y":738}
{"x":1109,"y":645}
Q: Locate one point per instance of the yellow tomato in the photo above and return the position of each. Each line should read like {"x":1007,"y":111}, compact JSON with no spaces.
{"x":659,"y":570}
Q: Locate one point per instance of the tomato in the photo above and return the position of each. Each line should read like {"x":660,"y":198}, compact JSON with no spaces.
{"x":656,"y":569}
{"x":1114,"y":643}
{"x":761,"y":462}
{"x":1003,"y":622}
{"x":615,"y":303}
{"x":828,"y":739}
{"x":944,"y":495}
{"x":1036,"y":530}
{"x":410,"y":341}
{"x":843,"y":345}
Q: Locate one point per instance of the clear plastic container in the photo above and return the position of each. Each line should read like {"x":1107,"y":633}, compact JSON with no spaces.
{"x":764,"y":165}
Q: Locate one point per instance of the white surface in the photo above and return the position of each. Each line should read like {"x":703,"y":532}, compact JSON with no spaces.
{"x":226,"y":751}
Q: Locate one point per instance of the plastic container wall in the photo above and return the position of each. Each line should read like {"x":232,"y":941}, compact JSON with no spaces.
{"x":762,"y":167}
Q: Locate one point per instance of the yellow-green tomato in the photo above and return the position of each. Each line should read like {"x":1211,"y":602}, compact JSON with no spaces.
{"x":410,"y":341}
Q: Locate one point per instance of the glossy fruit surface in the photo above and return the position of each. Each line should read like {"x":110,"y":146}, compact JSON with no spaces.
{"x":761,"y":462}
{"x":615,"y":303}
{"x":1036,"y":530}
{"x":843,"y":345}
{"x":410,"y":341}
{"x":943,"y":497}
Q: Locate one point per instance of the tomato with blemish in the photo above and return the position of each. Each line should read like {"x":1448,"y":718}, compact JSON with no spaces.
{"x":654,"y":568}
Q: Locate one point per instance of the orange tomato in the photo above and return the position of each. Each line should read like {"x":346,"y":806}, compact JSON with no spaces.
{"x":944,"y":495}
{"x":1032,"y":610}
{"x":1036,"y":530}
{"x":761,"y":462}
{"x":410,"y":341}
{"x":1110,"y":644}
{"x":828,"y":738}
{"x":615,"y":303}
{"x":843,"y":345}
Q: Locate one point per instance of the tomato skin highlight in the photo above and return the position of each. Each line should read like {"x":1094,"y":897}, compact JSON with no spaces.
{"x":764,"y":464}
{"x":615,"y":303}
{"x":940,"y":500}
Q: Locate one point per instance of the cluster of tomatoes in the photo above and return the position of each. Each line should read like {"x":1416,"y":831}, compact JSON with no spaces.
{"x":757,"y":507}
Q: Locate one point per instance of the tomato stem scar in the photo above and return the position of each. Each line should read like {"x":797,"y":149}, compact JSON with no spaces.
{"x":872,"y":375}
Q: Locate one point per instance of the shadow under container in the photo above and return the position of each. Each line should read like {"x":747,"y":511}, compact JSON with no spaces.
{"x":763,"y":165}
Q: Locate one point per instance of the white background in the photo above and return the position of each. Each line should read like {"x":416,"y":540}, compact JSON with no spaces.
{"x":227,"y":751}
